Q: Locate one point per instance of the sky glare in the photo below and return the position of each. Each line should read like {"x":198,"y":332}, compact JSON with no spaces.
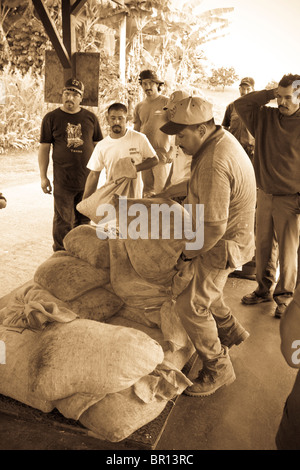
{"x":263,"y":39}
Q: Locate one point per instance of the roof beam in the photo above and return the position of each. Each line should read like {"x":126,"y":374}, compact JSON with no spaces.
{"x":76,"y":6}
{"x":53,"y":34}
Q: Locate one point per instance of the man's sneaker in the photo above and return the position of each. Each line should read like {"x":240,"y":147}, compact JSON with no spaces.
{"x":280,"y":309}
{"x":254,"y":298}
{"x":235,"y":340}
{"x":215,"y":374}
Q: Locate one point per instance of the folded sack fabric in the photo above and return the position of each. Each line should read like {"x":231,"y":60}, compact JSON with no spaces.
{"x":34,"y":314}
{"x":124,"y":168}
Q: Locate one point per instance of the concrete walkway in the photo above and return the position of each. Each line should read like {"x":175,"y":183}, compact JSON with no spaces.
{"x":244,"y":415}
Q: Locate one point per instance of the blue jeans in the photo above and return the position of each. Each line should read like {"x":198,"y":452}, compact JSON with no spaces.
{"x":66,"y":217}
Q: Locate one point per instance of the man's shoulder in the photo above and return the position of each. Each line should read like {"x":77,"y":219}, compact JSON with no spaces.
{"x":139,"y":104}
{"x":230,"y":106}
{"x":103,"y":142}
{"x":134,"y":133}
{"x":87,"y":112}
{"x":163,"y":98}
{"x":52,"y":113}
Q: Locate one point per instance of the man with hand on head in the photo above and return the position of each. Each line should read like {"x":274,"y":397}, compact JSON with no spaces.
{"x":222,"y":179}
{"x":277,"y":169}
{"x":233,"y":123}
{"x":72,"y":132}
{"x":119,"y":144}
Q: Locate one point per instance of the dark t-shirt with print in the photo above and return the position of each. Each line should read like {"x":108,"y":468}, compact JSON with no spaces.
{"x":72,"y":137}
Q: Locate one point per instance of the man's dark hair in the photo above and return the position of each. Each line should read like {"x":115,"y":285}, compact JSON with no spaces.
{"x":210,"y":123}
{"x":288,"y":80}
{"x":117,"y":107}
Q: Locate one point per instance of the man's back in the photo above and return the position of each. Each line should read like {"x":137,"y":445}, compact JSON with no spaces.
{"x":223,"y":180}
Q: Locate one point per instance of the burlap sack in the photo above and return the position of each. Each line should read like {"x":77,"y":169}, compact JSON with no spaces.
{"x":135,"y":291}
{"x":15,"y":380}
{"x":68,"y":277}
{"x":124,"y":168}
{"x":91,"y":358}
{"x":103,"y":195}
{"x":118,"y":415}
{"x":83,"y":242}
{"x":97,"y":304}
{"x":154,"y":259}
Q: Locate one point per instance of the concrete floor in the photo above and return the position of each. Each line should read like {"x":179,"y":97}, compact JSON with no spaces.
{"x":246,"y":414}
{"x":242,"y":416}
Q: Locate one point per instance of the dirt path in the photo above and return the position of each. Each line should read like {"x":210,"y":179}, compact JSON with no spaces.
{"x":25,"y":223}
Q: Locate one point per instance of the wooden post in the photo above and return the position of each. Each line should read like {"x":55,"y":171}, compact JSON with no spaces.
{"x":52,"y":32}
{"x":65,"y":48}
{"x":122,"y":63}
{"x":69,"y":37}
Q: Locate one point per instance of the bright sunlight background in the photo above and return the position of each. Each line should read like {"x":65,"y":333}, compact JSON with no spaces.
{"x":263,"y":39}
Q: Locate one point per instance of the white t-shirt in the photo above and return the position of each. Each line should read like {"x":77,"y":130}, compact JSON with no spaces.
{"x":108,"y":151}
{"x":181,"y":170}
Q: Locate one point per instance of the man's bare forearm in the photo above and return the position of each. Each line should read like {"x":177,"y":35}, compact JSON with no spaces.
{"x":147,"y":164}
{"x":91,"y":184}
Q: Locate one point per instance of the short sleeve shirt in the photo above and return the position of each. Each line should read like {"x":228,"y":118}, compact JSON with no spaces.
{"x":72,"y":137}
{"x":149,"y":117}
{"x":222,"y":179}
{"x":107,"y":152}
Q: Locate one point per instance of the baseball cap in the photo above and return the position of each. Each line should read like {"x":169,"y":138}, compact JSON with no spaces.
{"x":175,"y":97}
{"x":150,"y":75}
{"x":74,"y":85}
{"x":189,"y":111}
{"x":247,"y":81}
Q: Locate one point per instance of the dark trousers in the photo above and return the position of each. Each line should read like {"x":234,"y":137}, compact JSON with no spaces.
{"x":66,"y":217}
{"x":282,"y":214}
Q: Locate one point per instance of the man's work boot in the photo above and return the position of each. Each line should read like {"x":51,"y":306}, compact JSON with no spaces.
{"x":214,"y":375}
{"x":236,"y":339}
{"x":254,"y":298}
{"x":280,"y":309}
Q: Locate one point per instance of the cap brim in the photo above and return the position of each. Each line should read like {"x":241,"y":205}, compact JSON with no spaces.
{"x":73,"y":89}
{"x":172,"y":128}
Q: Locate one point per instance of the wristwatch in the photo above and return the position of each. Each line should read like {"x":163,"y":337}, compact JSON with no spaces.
{"x":184,"y":258}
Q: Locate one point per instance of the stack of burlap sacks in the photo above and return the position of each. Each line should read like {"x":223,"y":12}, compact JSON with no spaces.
{"x":95,"y":333}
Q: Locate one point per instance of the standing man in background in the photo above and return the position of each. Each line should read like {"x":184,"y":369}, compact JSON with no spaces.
{"x":233,"y":123}
{"x":277,"y":169}
{"x":72,"y":132}
{"x":149,"y":116}
{"x":120,"y":143}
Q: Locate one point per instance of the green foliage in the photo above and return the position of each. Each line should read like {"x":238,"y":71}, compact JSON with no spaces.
{"x":223,"y":76}
{"x":23,"y":37}
{"x":165,"y":35}
{"x":22,"y":110}
{"x":272,"y":84}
